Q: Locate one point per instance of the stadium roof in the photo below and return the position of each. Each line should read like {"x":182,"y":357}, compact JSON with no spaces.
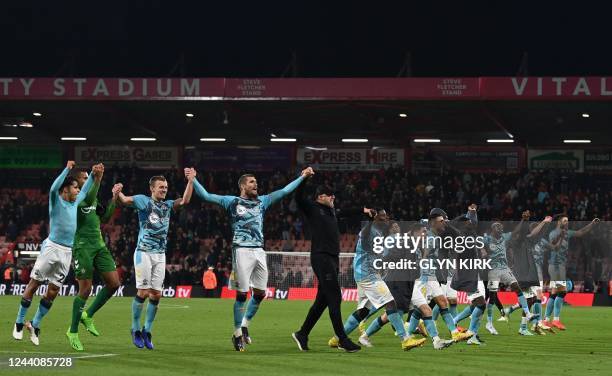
{"x":469,"y":117}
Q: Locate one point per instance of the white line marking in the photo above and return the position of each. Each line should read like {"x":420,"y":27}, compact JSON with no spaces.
{"x":37,"y":352}
{"x":174,"y":306}
{"x":94,"y":356}
{"x":72,"y":355}
{"x":67,"y":355}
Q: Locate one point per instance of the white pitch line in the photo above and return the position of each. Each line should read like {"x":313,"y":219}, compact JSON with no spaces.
{"x":174,"y":306}
{"x":37,"y":352}
{"x":94,"y":356}
{"x":71,"y":355}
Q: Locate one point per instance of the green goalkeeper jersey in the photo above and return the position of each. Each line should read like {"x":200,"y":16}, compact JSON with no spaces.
{"x":88,"y":233}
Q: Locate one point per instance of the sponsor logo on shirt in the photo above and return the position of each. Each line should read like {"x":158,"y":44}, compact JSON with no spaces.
{"x":88,"y":209}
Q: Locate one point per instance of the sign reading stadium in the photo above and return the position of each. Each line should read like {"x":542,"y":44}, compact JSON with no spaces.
{"x":409,"y":88}
{"x":351,"y":159}
{"x":112,"y":88}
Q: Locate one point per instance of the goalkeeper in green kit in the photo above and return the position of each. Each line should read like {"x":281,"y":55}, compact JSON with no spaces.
{"x":90,"y":253}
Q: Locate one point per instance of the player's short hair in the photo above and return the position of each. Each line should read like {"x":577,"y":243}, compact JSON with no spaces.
{"x":379,"y":210}
{"x":324,"y":189}
{"x":243,"y":179}
{"x":437,"y":212}
{"x":558,"y":217}
{"x":67,"y":183}
{"x":416,"y":227}
{"x":156,"y":178}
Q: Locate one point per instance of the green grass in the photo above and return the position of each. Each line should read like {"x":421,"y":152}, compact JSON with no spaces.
{"x":192,"y":336}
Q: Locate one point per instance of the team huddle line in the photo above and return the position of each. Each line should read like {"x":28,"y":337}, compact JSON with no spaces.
{"x":423,"y":292}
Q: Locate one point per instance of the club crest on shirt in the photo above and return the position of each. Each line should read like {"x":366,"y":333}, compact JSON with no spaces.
{"x":154,"y":218}
{"x":240,"y":210}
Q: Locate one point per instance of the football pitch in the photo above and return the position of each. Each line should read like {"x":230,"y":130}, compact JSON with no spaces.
{"x":192,"y":336}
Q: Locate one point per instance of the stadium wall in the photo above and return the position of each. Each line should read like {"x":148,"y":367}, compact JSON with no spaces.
{"x":293,"y":293}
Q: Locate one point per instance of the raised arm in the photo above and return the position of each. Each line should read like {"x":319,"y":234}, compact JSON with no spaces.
{"x":97,"y":171}
{"x":93,"y":192}
{"x":524,"y":218}
{"x":110,"y":208}
{"x":190,"y":174}
{"x":587,"y":228}
{"x":355,"y":212}
{"x":278,"y":195}
{"x":472,"y":214}
{"x":303,"y":203}
{"x":539,"y":227}
{"x":121,"y":198}
{"x":208,"y":197}
{"x":57,"y":183}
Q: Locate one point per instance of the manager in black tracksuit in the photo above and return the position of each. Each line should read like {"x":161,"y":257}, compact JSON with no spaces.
{"x":324,"y":257}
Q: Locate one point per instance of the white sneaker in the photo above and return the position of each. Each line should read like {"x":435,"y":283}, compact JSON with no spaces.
{"x":18,"y":334}
{"x":365,"y":340}
{"x":475,"y":340}
{"x":34,"y":333}
{"x":503,"y":318}
{"x":531,"y":316}
{"x":440,"y":343}
{"x":491,"y":328}
{"x":543,"y":326}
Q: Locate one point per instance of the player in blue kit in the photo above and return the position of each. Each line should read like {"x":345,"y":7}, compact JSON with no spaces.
{"x":407,"y":298}
{"x":249,"y":267}
{"x":559,"y":242}
{"x":373,"y":293}
{"x":150,"y":255}
{"x":429,"y":254}
{"x":53,"y":263}
{"x":496,"y":245}
{"x":537,"y":245}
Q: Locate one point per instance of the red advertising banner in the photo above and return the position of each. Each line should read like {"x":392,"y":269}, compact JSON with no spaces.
{"x":226,"y":293}
{"x":408,"y":88}
{"x":302,"y":293}
{"x":352,"y":88}
{"x":546,"y":88}
{"x":578,"y":299}
{"x":183,"y":291}
{"x":237,"y":89}
{"x":350,"y":295}
{"x":111,"y":88}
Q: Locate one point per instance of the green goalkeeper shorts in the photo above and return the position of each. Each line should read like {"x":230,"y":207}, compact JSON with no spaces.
{"x":86,"y":259}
